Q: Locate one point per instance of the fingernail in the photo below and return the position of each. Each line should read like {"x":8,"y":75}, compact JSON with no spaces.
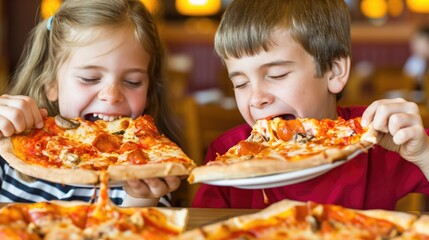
{"x":364,"y":123}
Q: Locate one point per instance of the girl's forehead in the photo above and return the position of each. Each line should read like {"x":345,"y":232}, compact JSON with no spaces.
{"x":98,"y":42}
{"x":79,"y":37}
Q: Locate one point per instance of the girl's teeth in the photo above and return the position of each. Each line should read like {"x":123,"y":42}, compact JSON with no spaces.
{"x":106,"y":118}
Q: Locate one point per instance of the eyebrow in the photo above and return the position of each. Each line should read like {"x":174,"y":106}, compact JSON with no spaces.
{"x":270,"y":64}
{"x":144,"y":71}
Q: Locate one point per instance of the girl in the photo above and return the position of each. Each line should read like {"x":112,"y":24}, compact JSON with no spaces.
{"x":98,"y":59}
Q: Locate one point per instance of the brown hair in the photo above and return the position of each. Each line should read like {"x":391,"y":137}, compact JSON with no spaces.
{"x":322,"y":27}
{"x":78,"y":23}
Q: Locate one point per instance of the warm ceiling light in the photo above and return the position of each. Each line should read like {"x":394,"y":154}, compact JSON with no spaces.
{"x":49,"y":7}
{"x":418,"y":6}
{"x":396,"y":7}
{"x":151,"y":5}
{"x":198,"y":7}
{"x":374,"y":8}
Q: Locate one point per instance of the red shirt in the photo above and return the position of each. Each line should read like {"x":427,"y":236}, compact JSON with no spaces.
{"x":376,"y":180}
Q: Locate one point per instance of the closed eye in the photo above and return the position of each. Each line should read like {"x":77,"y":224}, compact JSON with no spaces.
{"x":89,"y":80}
{"x":133,"y":84}
{"x":278,"y":76}
{"x":238,"y":86}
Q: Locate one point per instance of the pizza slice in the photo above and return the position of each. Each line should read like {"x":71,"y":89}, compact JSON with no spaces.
{"x":278,"y":145}
{"x":105,"y":220}
{"x":308,"y":220}
{"x":80,"y":220}
{"x":75,"y":151}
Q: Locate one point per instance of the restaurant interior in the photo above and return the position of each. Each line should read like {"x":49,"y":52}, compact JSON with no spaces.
{"x":198,"y":87}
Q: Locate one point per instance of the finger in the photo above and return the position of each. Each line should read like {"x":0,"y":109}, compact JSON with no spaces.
{"x":34,"y":116}
{"x":172,"y":182}
{"x":136,"y":188}
{"x":15,"y":109}
{"x":398,"y":121}
{"x":6,"y":127}
{"x":12,"y":120}
{"x":406,"y":134}
{"x":149,"y":188}
{"x":44,"y":113}
{"x":369,"y":114}
{"x":388,"y":109}
{"x":157,"y":186}
{"x":27,"y":107}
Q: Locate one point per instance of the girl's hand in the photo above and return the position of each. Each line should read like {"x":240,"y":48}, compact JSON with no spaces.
{"x":152,"y":188}
{"x":400,"y":129}
{"x":18,"y":113}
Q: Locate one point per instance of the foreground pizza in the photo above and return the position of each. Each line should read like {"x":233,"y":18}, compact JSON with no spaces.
{"x":74,"y":151}
{"x":78,"y":220}
{"x":278,"y":145}
{"x":298,"y":220}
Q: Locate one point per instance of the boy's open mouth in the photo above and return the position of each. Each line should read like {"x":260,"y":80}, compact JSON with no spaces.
{"x":285,"y":116}
{"x":96,"y":116}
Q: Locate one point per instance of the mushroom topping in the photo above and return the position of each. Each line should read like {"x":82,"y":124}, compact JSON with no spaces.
{"x":302,"y":137}
{"x":257,"y":137}
{"x":66,"y":123}
{"x":69,"y":159}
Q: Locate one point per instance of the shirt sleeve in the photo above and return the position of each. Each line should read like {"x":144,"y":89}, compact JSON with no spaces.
{"x":165,"y":201}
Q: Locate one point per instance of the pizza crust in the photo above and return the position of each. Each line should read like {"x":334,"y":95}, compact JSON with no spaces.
{"x":90,"y":177}
{"x":57,"y":175}
{"x":125,"y":172}
{"x":260,"y":167}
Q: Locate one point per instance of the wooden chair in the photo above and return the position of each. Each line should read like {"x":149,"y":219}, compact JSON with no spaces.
{"x":199,"y":125}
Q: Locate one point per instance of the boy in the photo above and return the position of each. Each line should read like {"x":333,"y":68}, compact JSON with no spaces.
{"x":291,"y":58}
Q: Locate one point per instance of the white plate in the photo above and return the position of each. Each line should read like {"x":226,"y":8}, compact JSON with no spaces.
{"x":281,"y":179}
{"x":109,"y":184}
{"x":276,"y":180}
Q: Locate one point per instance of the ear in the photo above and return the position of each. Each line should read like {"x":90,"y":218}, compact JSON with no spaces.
{"x":339,"y":75}
{"x":51,"y":91}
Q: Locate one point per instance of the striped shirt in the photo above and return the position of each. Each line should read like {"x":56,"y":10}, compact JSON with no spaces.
{"x":15,"y":189}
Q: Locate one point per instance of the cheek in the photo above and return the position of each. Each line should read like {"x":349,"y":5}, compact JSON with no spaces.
{"x":138,"y":102}
{"x":71,"y":102}
{"x":243,"y":107}
{"x":242,"y":101}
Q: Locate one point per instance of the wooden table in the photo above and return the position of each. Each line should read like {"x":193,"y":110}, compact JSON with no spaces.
{"x":199,"y":217}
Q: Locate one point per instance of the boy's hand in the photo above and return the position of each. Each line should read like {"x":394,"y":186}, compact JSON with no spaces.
{"x":152,"y":187}
{"x":400,"y":129}
{"x":18,"y":113}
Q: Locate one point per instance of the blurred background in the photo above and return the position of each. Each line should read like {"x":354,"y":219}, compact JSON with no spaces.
{"x":386,"y":34}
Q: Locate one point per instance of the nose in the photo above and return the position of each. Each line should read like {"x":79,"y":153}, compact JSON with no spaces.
{"x":260,"y":97}
{"x":111,"y":93}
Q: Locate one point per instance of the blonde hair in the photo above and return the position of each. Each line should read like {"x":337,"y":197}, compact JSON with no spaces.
{"x":78,"y":23}
{"x":322,"y":27}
